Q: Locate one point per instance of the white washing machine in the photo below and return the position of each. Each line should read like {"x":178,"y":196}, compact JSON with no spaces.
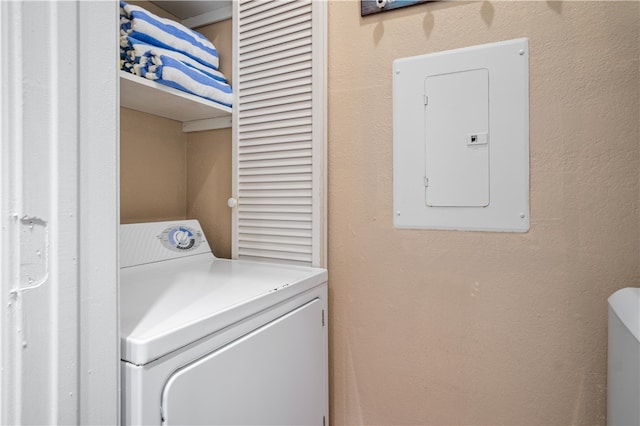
{"x":623,"y":358}
{"x":216,"y":341}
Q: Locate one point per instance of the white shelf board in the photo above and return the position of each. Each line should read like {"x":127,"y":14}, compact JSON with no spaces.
{"x":147,"y":96}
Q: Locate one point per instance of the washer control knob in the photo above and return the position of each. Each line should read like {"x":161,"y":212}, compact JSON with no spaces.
{"x":182,"y":238}
{"x":232,"y":202}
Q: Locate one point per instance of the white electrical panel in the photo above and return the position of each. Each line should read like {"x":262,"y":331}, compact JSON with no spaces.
{"x":456,"y":150}
{"x":461,"y":139}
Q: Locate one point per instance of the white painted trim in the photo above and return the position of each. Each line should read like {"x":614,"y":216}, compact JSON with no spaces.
{"x":99,"y":212}
{"x":207,"y":124}
{"x":234,"y":126}
{"x":10,"y":202}
{"x":319,"y":225}
{"x":5,"y":257}
{"x":40,"y":209}
{"x":58,"y":201}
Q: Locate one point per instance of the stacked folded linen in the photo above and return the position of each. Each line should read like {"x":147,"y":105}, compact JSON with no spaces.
{"x":166,"y":70}
{"x":171,"y":54}
{"x":133,"y":50}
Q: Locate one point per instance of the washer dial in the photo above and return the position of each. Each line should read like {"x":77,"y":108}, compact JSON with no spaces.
{"x":180,"y":238}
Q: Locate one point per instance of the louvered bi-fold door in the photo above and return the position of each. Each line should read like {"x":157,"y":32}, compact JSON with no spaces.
{"x":279,"y":130}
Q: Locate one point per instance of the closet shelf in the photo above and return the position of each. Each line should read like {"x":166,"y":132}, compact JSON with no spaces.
{"x":194,"y":112}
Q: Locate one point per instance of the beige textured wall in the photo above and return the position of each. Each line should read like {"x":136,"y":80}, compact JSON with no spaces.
{"x":153,"y":180}
{"x":209,"y":186}
{"x":209,"y":161}
{"x":437,"y":327}
{"x":220,"y":35}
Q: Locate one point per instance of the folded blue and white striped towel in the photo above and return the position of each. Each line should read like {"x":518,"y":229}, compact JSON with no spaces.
{"x":149,"y":28}
{"x":132,"y":50}
{"x":170,"y":72}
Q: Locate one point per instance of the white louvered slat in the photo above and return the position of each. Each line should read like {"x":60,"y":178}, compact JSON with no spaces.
{"x":276,"y":132}
{"x":248,"y":224}
{"x":299,"y":101}
{"x":277,"y":64}
{"x":285,"y":150}
{"x":260,"y":6}
{"x":276,"y":201}
{"x":266,"y":159}
{"x":288,"y":15}
{"x":271,"y":245}
{"x":298,"y":33}
{"x":266,"y":59}
{"x":275,"y":208}
{"x":287,"y":69}
{"x":294,"y":43}
{"x":264,"y":254}
{"x":278,"y":232}
{"x":278,"y":192}
{"x":276,"y":76}
{"x":297,"y":177}
{"x":269,"y":35}
{"x":278,"y":239}
{"x":275,"y":177}
{"x":249,"y":174}
{"x":294,"y":217}
{"x":266,"y":186}
{"x":278,"y":114}
{"x":281,"y":184}
{"x":253,"y":100}
{"x":297,"y":85}
{"x":277,"y":123}
{"x":298,"y":144}
{"x":270,"y":9}
{"x":273,"y":144}
{"x":277,"y":143}
{"x":299,"y":108}
{"x":275,"y":138}
{"x":285,"y":173}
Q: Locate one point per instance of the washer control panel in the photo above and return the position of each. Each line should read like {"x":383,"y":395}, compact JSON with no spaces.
{"x":181,"y":238}
{"x":142,"y":243}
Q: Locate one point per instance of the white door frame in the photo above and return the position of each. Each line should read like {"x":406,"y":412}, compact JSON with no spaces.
{"x":59,"y":353}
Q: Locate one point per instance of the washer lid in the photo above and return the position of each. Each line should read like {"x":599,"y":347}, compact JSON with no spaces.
{"x":167,"y":305}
